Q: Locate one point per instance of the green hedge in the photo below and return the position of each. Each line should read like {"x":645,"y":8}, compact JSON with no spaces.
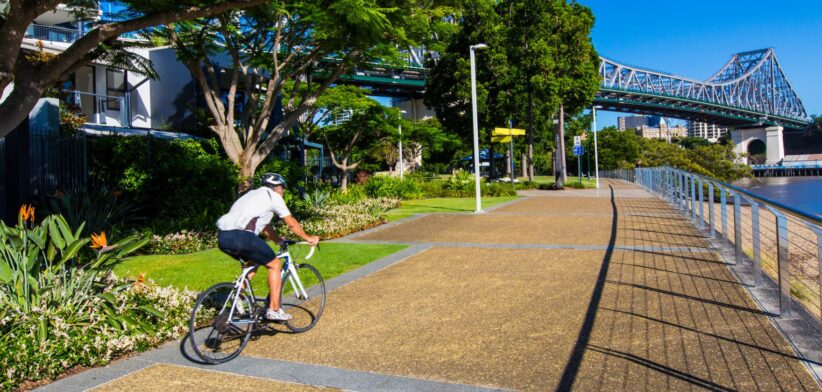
{"x":180,"y":184}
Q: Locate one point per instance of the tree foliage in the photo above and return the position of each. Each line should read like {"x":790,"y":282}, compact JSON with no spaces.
{"x":540,"y":56}
{"x":254,"y":64}
{"x":32,"y":75}
{"x":625,"y":150}
{"x":358,"y":126}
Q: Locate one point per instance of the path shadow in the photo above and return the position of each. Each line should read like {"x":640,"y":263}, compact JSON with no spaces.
{"x":571,"y":371}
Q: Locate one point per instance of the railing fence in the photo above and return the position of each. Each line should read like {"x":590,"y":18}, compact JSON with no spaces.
{"x":56,"y":163}
{"x":781,"y":244}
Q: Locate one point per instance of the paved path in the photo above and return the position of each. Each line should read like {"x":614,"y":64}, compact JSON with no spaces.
{"x":583,"y":290}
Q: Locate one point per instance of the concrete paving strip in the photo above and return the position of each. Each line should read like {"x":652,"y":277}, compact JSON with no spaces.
{"x":693,"y":249}
{"x":164,"y":377}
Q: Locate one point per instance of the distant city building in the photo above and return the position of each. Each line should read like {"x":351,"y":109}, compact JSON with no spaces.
{"x":634,"y":122}
{"x":711,"y":132}
{"x":662,"y":132}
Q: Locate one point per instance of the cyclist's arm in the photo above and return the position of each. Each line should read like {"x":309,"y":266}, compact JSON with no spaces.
{"x":297,"y":229}
{"x":272,"y":234}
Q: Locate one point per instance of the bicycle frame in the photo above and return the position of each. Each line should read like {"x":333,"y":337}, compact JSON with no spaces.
{"x":243,"y":283}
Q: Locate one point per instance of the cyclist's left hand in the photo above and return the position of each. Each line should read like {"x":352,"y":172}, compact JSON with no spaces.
{"x":312,"y":240}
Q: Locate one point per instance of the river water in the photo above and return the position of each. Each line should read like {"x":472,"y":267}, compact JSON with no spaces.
{"x":801,"y":193}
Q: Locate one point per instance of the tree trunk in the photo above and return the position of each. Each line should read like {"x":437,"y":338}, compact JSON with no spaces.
{"x":563,"y":166}
{"x":530,"y":134}
{"x":559,"y":146}
{"x":492,"y":171}
{"x":246,"y":177}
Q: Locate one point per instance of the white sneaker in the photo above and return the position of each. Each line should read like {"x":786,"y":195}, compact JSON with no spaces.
{"x":277,"y":315}
{"x":240,"y":309}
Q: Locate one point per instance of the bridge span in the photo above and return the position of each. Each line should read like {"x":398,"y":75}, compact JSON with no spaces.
{"x":750,"y":91}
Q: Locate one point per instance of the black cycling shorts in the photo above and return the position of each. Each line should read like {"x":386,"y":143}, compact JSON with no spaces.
{"x":246,"y":246}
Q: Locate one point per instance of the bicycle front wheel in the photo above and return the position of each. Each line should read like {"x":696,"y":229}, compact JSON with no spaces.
{"x":303,"y":297}
{"x":214,"y":337}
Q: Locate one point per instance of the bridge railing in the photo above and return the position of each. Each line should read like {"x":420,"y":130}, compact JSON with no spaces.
{"x":781,"y":245}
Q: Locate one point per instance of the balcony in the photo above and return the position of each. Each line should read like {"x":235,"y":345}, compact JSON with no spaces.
{"x":52,"y":33}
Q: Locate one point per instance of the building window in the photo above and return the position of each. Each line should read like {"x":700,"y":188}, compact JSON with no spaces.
{"x":115,"y":87}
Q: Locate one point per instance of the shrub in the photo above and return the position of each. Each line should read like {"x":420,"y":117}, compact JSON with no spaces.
{"x":392,"y":187}
{"x":62,"y":307}
{"x":183,"y":242}
{"x":462,"y":183}
{"x":183,"y":184}
{"x":497,"y":189}
{"x":96,"y":207}
{"x":336,"y":220}
{"x":354,"y":194}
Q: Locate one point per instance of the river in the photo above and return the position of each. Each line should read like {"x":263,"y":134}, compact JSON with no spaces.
{"x":802,"y":193}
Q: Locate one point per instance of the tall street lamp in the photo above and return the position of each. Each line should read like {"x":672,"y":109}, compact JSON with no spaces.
{"x":476,"y":128}
{"x":402,"y":164}
{"x":596,"y":153}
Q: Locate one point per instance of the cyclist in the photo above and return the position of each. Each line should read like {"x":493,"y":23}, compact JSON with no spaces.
{"x":241,"y":226}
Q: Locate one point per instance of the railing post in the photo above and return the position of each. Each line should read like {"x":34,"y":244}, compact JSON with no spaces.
{"x":701,"y":207}
{"x":783,"y":269}
{"x":711,"y":209}
{"x":723,"y":200}
{"x":757,"y":254}
{"x":737,"y":228}
{"x":819,"y":260}
{"x":693,"y":198}
{"x":681,"y":178}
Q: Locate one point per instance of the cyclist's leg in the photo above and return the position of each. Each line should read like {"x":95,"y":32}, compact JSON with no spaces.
{"x":274,"y":283}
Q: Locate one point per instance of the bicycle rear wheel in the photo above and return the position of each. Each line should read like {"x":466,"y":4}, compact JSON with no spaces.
{"x":305,"y":311}
{"x":214,"y":337}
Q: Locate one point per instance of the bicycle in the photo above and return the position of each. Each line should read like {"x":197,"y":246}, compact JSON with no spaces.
{"x":228,"y":313}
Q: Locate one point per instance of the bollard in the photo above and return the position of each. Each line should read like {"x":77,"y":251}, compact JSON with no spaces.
{"x":711,"y":209}
{"x":737,"y":228}
{"x":757,"y":259}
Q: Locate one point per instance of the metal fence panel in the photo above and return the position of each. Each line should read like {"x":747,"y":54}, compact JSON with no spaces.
{"x":56,"y":163}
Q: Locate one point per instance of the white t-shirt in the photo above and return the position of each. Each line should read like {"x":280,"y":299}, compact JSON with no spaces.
{"x":261,"y":203}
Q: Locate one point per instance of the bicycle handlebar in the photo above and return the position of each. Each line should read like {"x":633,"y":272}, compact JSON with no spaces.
{"x":311,"y":251}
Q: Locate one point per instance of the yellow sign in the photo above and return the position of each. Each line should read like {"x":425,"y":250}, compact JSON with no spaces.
{"x":500,"y":139}
{"x":508,"y":132}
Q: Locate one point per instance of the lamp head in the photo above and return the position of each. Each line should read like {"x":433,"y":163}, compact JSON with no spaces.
{"x":479,"y":47}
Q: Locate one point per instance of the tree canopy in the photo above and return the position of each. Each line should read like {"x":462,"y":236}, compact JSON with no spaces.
{"x":540,"y":56}
{"x":285,"y":55}
{"x":32,"y":75}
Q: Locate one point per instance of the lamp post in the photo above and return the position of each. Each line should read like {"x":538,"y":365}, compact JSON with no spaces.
{"x":476,"y":128}
{"x":402,"y":163}
{"x":596,"y":153}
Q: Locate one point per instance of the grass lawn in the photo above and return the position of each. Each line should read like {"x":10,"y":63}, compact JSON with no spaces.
{"x":442,"y":204}
{"x":198,"y":271}
{"x":588,"y":183}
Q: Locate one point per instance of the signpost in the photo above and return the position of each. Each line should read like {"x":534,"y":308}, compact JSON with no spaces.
{"x":506,"y":135}
{"x":578,"y":151}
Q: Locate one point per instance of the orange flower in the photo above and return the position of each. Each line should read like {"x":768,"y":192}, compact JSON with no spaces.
{"x":98,"y":241}
{"x":27,"y":213}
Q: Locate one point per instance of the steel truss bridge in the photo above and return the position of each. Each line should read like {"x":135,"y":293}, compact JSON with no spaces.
{"x":750,"y":90}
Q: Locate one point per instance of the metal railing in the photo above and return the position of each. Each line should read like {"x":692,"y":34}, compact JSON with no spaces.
{"x":56,"y":163}
{"x":781,"y":244}
{"x":52,"y":33}
{"x":96,"y":109}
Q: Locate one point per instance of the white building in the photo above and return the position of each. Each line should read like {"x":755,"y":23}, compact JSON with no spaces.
{"x":711,"y":132}
{"x":112,"y":97}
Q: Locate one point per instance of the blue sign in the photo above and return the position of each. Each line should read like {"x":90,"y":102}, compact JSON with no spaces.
{"x":578,"y":150}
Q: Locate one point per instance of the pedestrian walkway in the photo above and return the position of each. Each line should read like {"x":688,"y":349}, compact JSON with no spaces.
{"x":606,"y":289}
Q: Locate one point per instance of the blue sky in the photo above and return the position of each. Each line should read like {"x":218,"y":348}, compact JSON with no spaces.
{"x":696,"y":38}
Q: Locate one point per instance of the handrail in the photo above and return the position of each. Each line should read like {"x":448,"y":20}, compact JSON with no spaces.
{"x":762,"y":199}
{"x":785,"y":251}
